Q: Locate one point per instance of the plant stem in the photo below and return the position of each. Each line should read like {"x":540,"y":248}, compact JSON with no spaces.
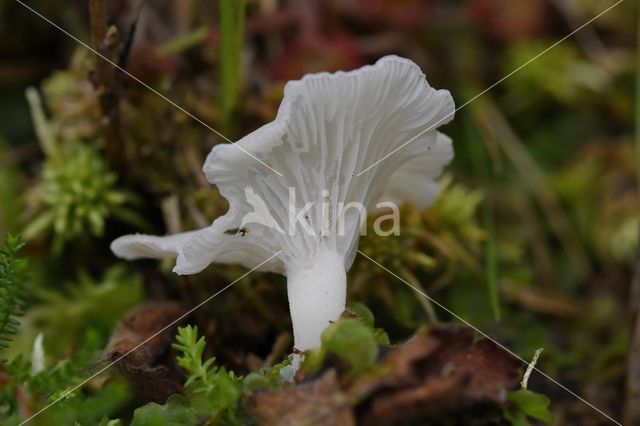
{"x":184,"y":42}
{"x":231,"y":40}
{"x":105,"y":82}
{"x":97,"y":12}
{"x":44,"y":131}
{"x":480,"y":165}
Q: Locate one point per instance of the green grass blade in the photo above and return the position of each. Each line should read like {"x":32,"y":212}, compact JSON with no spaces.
{"x":480,"y":166}
{"x":231,"y":40}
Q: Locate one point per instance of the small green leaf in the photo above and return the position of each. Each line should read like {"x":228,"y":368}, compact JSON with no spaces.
{"x":265,"y":378}
{"x":353,"y":342}
{"x":532,"y":404}
{"x":516,"y":419}
{"x":254,"y":381}
{"x":313,"y":360}
{"x":175,"y":412}
{"x":363,"y":313}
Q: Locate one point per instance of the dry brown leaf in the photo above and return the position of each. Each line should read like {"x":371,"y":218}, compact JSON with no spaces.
{"x":319,"y":402}
{"x":439,"y":371}
{"x":151,"y":368}
{"x":437,"y":376}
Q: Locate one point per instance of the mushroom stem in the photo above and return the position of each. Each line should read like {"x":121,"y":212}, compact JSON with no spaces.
{"x":317,"y":293}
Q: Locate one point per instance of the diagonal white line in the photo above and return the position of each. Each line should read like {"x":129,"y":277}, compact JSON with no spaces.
{"x":67,"y":393}
{"x":433,"y":126}
{"x":509,"y":351}
{"x":175,"y":105}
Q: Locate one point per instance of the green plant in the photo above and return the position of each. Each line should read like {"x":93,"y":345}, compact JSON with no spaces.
{"x":354,"y":341}
{"x":177,"y":411}
{"x":434,"y":245}
{"x":524,"y":404}
{"x":77,"y":192}
{"x":13,"y":288}
{"x":223,"y":386}
{"x":204,"y":377}
{"x":77,"y":196}
{"x":212,"y":393}
{"x":574,"y":76}
{"x":23,"y":385}
{"x":86,"y":303}
{"x":265,"y":378}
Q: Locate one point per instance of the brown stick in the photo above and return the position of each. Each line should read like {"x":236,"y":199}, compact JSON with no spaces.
{"x":631,"y":415}
{"x":98,"y":12}
{"x":104,"y":78}
{"x":280,"y":347}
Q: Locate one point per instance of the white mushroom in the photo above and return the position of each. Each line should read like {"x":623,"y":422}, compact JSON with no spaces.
{"x":328,"y":129}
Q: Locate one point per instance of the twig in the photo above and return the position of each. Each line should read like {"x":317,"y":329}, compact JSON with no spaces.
{"x":104,"y":79}
{"x":171,"y":214}
{"x":123,"y":56}
{"x":279,"y":348}
{"x":530,"y":367}
{"x":194,"y":163}
{"x":198,"y":217}
{"x":98,"y":12}
{"x":541,"y":301}
{"x":423,"y":301}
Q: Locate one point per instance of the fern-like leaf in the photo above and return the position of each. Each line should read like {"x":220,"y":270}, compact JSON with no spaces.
{"x":13,"y":288}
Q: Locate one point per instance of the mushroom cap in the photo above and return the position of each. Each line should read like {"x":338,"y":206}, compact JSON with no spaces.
{"x":329,"y":128}
{"x":408,"y":182}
